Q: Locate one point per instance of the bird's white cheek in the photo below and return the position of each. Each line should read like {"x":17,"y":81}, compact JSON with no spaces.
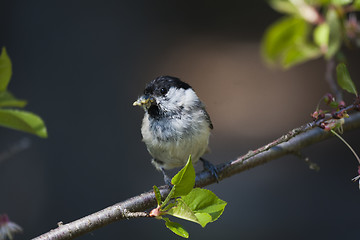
{"x":176,"y":98}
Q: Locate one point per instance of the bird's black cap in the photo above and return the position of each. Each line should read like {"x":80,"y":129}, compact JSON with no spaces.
{"x":163,"y":83}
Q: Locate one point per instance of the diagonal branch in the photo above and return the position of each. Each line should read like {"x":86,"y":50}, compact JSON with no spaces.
{"x":290,"y":143}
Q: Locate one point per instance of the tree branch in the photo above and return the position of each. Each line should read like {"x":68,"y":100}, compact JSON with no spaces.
{"x":290,"y":143}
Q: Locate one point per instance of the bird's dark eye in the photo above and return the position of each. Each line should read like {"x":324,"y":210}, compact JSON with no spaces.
{"x":163,"y":91}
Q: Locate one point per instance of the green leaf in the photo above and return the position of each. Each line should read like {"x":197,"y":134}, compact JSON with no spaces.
{"x":23,"y":121}
{"x":168,"y":198}
{"x":344,"y":79}
{"x":283,"y":6}
{"x":200,"y":206}
{"x":168,"y":206}
{"x":322,"y":34}
{"x":8,"y":100}
{"x":281,"y":35}
{"x":157,"y":195}
{"x":285,"y":42}
{"x":176,"y":228}
{"x":183,"y":211}
{"x":356,"y":4}
{"x":335,"y":36}
{"x":184,"y":180}
{"x":5,"y":70}
{"x":205,"y":201}
{"x":318,"y":2}
{"x":298,"y":54}
{"x":203,"y":218}
{"x":341,"y":2}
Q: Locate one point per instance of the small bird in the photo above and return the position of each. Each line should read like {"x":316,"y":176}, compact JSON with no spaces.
{"x":175,"y":124}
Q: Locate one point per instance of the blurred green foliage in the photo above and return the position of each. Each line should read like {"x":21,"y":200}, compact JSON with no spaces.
{"x":311,"y":29}
{"x":15,"y":118}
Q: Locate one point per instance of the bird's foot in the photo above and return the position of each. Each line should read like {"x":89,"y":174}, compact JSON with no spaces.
{"x":167,"y":180}
{"x":210,"y":167}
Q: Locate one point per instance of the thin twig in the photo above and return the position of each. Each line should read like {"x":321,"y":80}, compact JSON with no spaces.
{"x":292,"y":142}
{"x":348,"y":145}
{"x":330,"y":79}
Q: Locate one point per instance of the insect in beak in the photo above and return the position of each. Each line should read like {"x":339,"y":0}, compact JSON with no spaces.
{"x":144,"y":101}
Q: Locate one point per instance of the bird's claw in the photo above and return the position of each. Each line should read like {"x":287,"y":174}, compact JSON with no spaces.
{"x":211,"y":168}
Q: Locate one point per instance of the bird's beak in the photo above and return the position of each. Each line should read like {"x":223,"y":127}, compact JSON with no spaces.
{"x":144,"y":101}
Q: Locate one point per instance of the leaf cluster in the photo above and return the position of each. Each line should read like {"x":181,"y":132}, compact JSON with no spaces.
{"x":338,"y":108}
{"x":10,"y":114}
{"x":186,"y":202}
{"x":310,"y":29}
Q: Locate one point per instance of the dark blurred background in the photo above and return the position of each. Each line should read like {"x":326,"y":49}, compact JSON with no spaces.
{"x":81,"y":64}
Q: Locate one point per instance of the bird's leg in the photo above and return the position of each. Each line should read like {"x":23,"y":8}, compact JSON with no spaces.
{"x":210,"y":167}
{"x":167,"y":180}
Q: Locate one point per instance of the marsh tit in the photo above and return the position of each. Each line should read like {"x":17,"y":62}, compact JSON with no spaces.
{"x":175,"y":124}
